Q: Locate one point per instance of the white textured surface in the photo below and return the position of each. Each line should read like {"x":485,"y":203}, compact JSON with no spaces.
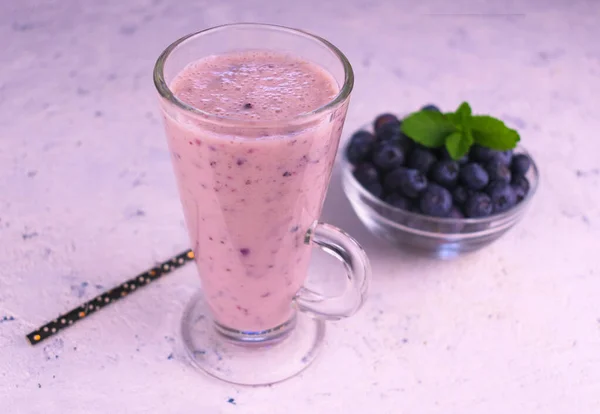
{"x":87,"y":196}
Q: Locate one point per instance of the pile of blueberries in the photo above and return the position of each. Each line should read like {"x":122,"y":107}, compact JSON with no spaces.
{"x":407,"y":175}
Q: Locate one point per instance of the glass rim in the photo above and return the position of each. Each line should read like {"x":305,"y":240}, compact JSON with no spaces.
{"x":165,"y":91}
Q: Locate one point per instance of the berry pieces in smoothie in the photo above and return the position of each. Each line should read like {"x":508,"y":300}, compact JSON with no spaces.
{"x":245,"y":251}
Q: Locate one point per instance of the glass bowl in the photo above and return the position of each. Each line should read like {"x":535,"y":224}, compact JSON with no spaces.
{"x":432,"y":236}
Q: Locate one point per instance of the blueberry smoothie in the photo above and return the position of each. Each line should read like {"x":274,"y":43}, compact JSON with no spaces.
{"x":252,"y":181}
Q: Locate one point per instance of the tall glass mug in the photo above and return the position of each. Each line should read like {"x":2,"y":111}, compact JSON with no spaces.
{"x":252,"y":191}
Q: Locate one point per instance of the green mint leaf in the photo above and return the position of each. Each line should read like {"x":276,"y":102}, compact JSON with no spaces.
{"x":428,"y":128}
{"x":454,"y":119}
{"x":492,"y":133}
{"x":464,"y":111}
{"x":458,"y":143}
{"x":461,"y":117}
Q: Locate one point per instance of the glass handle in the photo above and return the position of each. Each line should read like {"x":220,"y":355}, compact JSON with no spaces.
{"x":358,"y":273}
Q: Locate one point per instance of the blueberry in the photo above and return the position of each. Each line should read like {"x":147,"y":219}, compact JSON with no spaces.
{"x":481,"y":154}
{"x":445,"y":173}
{"x":474,"y":176}
{"x":360,"y":146}
{"x":520,"y":164}
{"x":366,"y":174}
{"x":404,"y":142}
{"x":436,"y":201}
{"x":463,"y":160}
{"x":414,"y":208}
{"x":520,"y":186}
{"x":391,"y":133}
{"x":445,"y":155}
{"x":392,"y":180}
{"x":398,"y":200}
{"x":505,"y":157}
{"x":460,"y":195}
{"x":497,"y":170}
{"x":407,"y":181}
{"x":502,"y":195}
{"x":388,"y":156}
{"x":388,"y":132}
{"x":455,"y":213}
{"x":385,"y":119}
{"x":413,"y":183}
{"x":478,"y":205}
{"x":421,"y":159}
{"x":431,"y":108}
{"x":375,"y":188}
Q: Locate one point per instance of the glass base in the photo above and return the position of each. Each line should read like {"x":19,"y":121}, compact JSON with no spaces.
{"x":249,"y":358}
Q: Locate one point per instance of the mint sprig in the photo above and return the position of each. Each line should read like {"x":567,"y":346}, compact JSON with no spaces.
{"x":458,"y":144}
{"x":493,"y":133}
{"x":428,"y":128}
{"x":459,"y":130}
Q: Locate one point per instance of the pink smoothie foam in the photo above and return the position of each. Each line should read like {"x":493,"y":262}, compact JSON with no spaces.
{"x":250,"y":194}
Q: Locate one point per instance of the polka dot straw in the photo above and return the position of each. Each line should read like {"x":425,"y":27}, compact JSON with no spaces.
{"x":106,"y":298}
